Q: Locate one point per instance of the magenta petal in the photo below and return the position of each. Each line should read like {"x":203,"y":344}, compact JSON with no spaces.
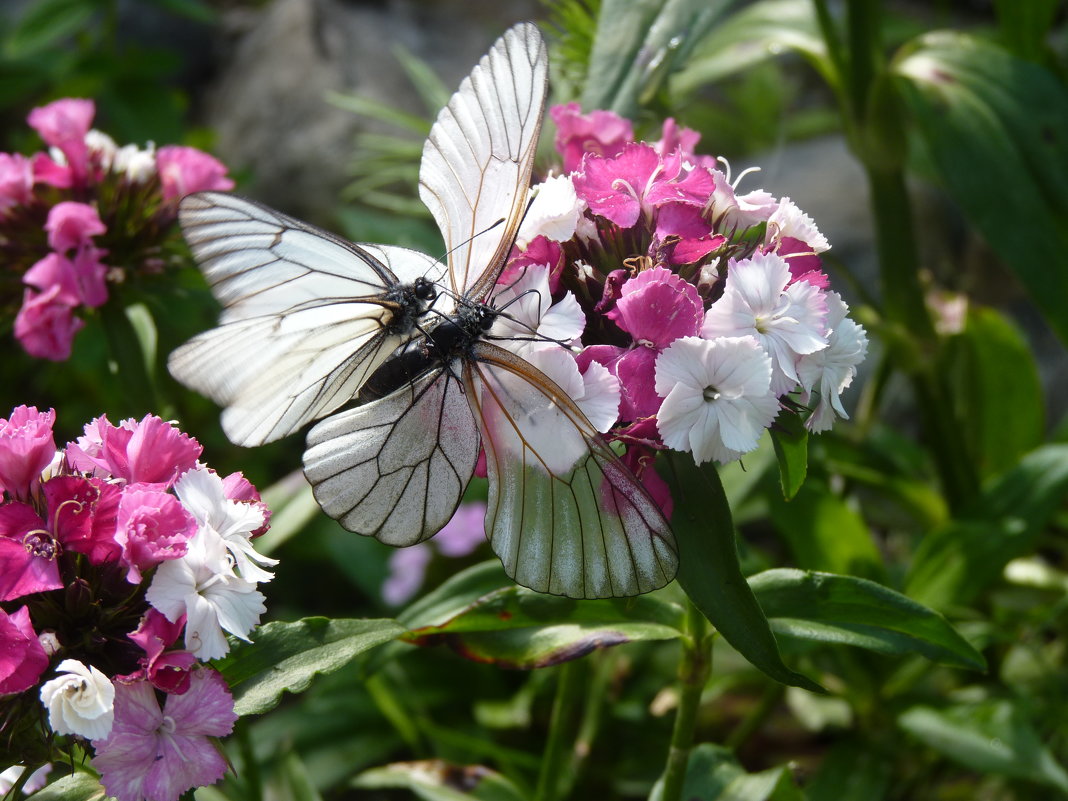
{"x":22,"y":659}
{"x":657,"y":307}
{"x":45,"y":325}
{"x":694,"y":189}
{"x":159,"y":453}
{"x":26,"y":447}
{"x":23,"y":572}
{"x":206,"y":710}
{"x":71,"y":224}
{"x":615,"y":188}
{"x":55,"y":270}
{"x":601,"y":132}
{"x":636,"y":372}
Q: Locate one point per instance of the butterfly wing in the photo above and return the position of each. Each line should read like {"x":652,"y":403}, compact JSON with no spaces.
{"x":305,"y":315}
{"x":565,"y":515}
{"x":477,"y":161}
{"x":396,"y":468}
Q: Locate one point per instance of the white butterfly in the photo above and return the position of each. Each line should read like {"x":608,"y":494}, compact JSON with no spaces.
{"x":564,"y":514}
{"x":311,"y":321}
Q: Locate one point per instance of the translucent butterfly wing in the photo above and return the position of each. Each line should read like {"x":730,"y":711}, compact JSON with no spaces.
{"x":304,"y":320}
{"x":478,"y":158}
{"x":396,"y":468}
{"x":565,"y":515}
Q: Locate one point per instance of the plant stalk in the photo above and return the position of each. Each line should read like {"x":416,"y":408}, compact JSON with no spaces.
{"x":694,"y":670}
{"x":557,"y":759}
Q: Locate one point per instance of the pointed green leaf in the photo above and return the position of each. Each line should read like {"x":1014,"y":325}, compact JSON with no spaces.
{"x":996,"y":129}
{"x":45,"y":23}
{"x":854,"y":611}
{"x":853,"y":770}
{"x":711,"y":575}
{"x":713,"y":773}
{"x":638,"y":44}
{"x":285,"y":657}
{"x":517,"y":628}
{"x":436,"y":780}
{"x":78,"y":786}
{"x":993,"y":736}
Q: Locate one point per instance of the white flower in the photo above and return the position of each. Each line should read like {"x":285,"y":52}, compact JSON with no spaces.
{"x":553,"y":213}
{"x":102,"y":146}
{"x":788,"y":321}
{"x":789,"y":220}
{"x":829,"y":371}
{"x":202,"y":586}
{"x":138,"y":165}
{"x":202,"y":494}
{"x":717,"y":399}
{"x":729,"y":210}
{"x":529,"y":316}
{"x":81,"y":701}
{"x":595,"y":392}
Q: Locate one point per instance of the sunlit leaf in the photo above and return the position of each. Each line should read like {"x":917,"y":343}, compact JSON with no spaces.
{"x":790,"y":439}
{"x":436,"y":780}
{"x":285,"y":657}
{"x":713,"y":773}
{"x":78,"y":786}
{"x":854,"y":611}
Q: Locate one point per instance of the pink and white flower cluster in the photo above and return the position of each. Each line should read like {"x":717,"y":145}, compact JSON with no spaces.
{"x":124,"y":562}
{"x":699,"y":314}
{"x":77,"y":217}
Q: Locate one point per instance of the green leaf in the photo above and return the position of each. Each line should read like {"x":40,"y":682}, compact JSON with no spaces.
{"x":514,"y":627}
{"x":825,"y":533}
{"x":853,"y":770}
{"x":996,"y":129}
{"x":638,"y":44}
{"x":296,"y":780}
{"x":758,"y":32}
{"x":790,"y":439}
{"x":713,"y":773}
{"x":436,"y":780}
{"x":854,"y":611}
{"x":998,"y":390}
{"x":78,"y":786}
{"x":992,"y":736}
{"x":287,"y":656}
{"x":45,"y":23}
{"x":956,"y":562}
{"x":710,"y":574}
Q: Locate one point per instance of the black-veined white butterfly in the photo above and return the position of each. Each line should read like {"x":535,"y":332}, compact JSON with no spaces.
{"x":565,"y":515}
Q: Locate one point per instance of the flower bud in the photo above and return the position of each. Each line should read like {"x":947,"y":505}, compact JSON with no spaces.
{"x":80,"y":701}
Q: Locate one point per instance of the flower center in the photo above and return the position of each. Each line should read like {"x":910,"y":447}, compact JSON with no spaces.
{"x":40,"y":543}
{"x":711,"y":394}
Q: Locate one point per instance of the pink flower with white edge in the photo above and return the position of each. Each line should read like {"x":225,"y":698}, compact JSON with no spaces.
{"x":787,"y":319}
{"x":45,"y":325}
{"x":152,"y":526}
{"x":601,"y":132}
{"x":71,"y":225}
{"x":717,"y":398}
{"x":184,"y":170}
{"x":22,"y":658}
{"x":16,"y":180}
{"x":155,"y":754}
{"x":150,"y":451}
{"x":729,"y":211}
{"x":826,"y":373}
{"x":656,"y":307}
{"x":63,"y":124}
{"x":27,"y":445}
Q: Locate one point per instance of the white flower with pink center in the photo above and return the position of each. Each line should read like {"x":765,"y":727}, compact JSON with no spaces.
{"x":826,"y":373}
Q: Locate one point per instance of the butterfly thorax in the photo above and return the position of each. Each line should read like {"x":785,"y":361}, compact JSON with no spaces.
{"x":409,"y":302}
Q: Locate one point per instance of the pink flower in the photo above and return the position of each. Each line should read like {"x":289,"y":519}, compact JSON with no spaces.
{"x":71,"y":225}
{"x":159,"y":754}
{"x":151,"y":451}
{"x":16,"y":180}
{"x":540,"y":250}
{"x":687,"y":222}
{"x":82,"y":514}
{"x":45,"y":325}
{"x":601,"y":132}
{"x":804,"y":264}
{"x":183,"y":170}
{"x":464,"y":532}
{"x":26,"y":447}
{"x":238,"y":488}
{"x":22,"y":659}
{"x":28,"y":553}
{"x":63,"y":124}
{"x":152,"y":526}
{"x":683,"y":140}
{"x":407,"y":569}
{"x":47,"y":171}
{"x":80,"y":281}
{"x":169,"y":671}
{"x":633,"y":183}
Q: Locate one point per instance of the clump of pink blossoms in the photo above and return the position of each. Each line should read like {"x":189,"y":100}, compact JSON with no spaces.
{"x":124,"y":561}
{"x":85,"y":214}
{"x":696,"y":315}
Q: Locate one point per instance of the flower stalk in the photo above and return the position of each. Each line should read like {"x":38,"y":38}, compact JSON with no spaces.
{"x":557,"y":760}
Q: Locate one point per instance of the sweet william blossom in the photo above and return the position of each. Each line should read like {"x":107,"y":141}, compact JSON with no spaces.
{"x":155,"y":754}
{"x":601,"y":132}
{"x":22,"y":657}
{"x":71,"y":225}
{"x":826,"y":373}
{"x":16,"y":180}
{"x":717,"y":398}
{"x":27,"y":445}
{"x":79,"y":701}
{"x":184,"y":170}
{"x":150,"y":451}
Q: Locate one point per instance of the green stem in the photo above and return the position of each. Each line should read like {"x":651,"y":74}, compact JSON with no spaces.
{"x":557,"y":757}
{"x":694,"y":670}
{"x":250,"y":769}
